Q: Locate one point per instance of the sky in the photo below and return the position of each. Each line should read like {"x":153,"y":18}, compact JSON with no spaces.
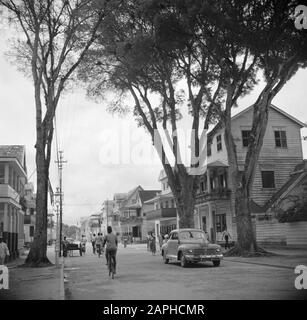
{"x":97,"y":144}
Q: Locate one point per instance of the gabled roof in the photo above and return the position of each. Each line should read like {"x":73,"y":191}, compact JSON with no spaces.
{"x":147,"y":194}
{"x":219,"y":125}
{"x":14,"y":151}
{"x":299,"y":173}
{"x":120,"y":196}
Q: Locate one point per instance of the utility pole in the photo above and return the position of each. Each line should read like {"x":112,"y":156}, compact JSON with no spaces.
{"x":107,"y":212}
{"x":57,"y":243}
{"x":60,"y":167}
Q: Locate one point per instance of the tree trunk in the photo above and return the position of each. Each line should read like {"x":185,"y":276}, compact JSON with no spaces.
{"x":245,"y":232}
{"x":184,"y":196}
{"x":38,"y":253}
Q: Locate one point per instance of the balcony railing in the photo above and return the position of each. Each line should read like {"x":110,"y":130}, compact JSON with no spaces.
{"x":132,"y":219}
{"x":216,"y":194}
{"x":161,"y":213}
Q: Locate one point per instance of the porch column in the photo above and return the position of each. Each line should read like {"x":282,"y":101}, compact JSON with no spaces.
{"x":5,"y":219}
{"x":208,"y":181}
{"x":212,"y":223}
{"x":6,"y":173}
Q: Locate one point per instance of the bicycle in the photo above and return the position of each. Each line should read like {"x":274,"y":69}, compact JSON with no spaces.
{"x":111,"y":264}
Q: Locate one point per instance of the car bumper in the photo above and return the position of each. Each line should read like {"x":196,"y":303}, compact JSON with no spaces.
{"x":209,"y":257}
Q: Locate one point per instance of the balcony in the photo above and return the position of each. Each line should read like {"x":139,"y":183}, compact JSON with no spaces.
{"x":6,"y":191}
{"x":132,"y":219}
{"x":161,"y":213}
{"x":216,"y":194}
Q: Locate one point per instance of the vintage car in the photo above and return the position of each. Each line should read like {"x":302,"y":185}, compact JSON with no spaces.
{"x":190,"y":246}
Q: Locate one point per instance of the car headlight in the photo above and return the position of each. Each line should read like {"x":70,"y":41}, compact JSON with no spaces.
{"x":218,"y":250}
{"x":190,"y":251}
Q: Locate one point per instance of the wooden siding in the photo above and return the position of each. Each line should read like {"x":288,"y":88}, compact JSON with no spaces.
{"x":276,"y":121}
{"x":282,"y":169}
{"x":274,"y":232}
{"x":280,"y":160}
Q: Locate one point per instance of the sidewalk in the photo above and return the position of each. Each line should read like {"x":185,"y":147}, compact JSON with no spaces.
{"x":283,"y":257}
{"x":34,"y":283}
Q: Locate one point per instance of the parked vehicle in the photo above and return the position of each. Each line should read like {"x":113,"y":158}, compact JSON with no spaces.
{"x":73,"y":245}
{"x":190,"y":246}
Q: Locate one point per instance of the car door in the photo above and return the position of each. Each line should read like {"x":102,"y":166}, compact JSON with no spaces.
{"x":172,"y":245}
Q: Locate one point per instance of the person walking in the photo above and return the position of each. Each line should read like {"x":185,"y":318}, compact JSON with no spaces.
{"x":4,"y":251}
{"x":153,"y":244}
{"x":148,"y":242}
{"x":226,"y":236}
{"x":93,"y":240}
{"x":98,"y":243}
{"x":110,"y":240}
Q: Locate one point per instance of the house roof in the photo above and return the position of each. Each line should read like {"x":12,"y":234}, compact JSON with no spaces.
{"x":147,"y":194}
{"x":120,"y":196}
{"x":14,"y":151}
{"x":217,"y":164}
{"x":219,"y":125}
{"x":299,"y":173}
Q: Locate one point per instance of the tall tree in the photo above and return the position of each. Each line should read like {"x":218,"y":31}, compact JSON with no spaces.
{"x":135,"y":57}
{"x":244,"y":37}
{"x":54,"y":36}
{"x":218,"y":49}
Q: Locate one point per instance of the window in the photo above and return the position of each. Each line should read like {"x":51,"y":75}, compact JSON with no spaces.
{"x":175,"y":236}
{"x":220,"y":222}
{"x":166,"y":204}
{"x":245,"y":137}
{"x":31,"y":231}
{"x":219,"y":142}
{"x":2,"y":173}
{"x":280,"y":139}
{"x":268,"y":179}
{"x":209,"y":152}
{"x":202,"y":186}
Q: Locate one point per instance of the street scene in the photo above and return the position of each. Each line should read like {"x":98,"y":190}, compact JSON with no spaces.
{"x":153,"y":150}
{"x":143,"y":276}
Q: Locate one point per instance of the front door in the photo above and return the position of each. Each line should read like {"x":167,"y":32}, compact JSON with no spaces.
{"x":204,"y":223}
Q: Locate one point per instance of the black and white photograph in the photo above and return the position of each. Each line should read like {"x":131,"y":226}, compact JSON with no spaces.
{"x":153,"y":151}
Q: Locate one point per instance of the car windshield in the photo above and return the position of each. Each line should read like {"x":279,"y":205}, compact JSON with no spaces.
{"x":192,"y":235}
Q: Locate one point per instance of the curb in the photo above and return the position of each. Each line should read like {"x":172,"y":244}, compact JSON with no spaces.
{"x":62,"y":290}
{"x":259,"y":264}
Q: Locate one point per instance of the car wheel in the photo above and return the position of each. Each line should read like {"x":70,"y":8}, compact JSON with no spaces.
{"x":216,"y":263}
{"x":164,"y":258}
{"x":183,"y":261}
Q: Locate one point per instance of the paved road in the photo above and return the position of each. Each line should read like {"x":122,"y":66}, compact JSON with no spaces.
{"x":142,"y":276}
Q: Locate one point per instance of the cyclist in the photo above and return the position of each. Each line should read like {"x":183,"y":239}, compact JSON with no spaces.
{"x":99,"y":241}
{"x":111,"y":240}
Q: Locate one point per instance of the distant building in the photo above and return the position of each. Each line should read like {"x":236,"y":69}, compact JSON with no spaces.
{"x":30,"y":213}
{"x":161,"y":212}
{"x":118,"y":199}
{"x":13,"y":177}
{"x":132,"y":218}
{"x":107,"y":218}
